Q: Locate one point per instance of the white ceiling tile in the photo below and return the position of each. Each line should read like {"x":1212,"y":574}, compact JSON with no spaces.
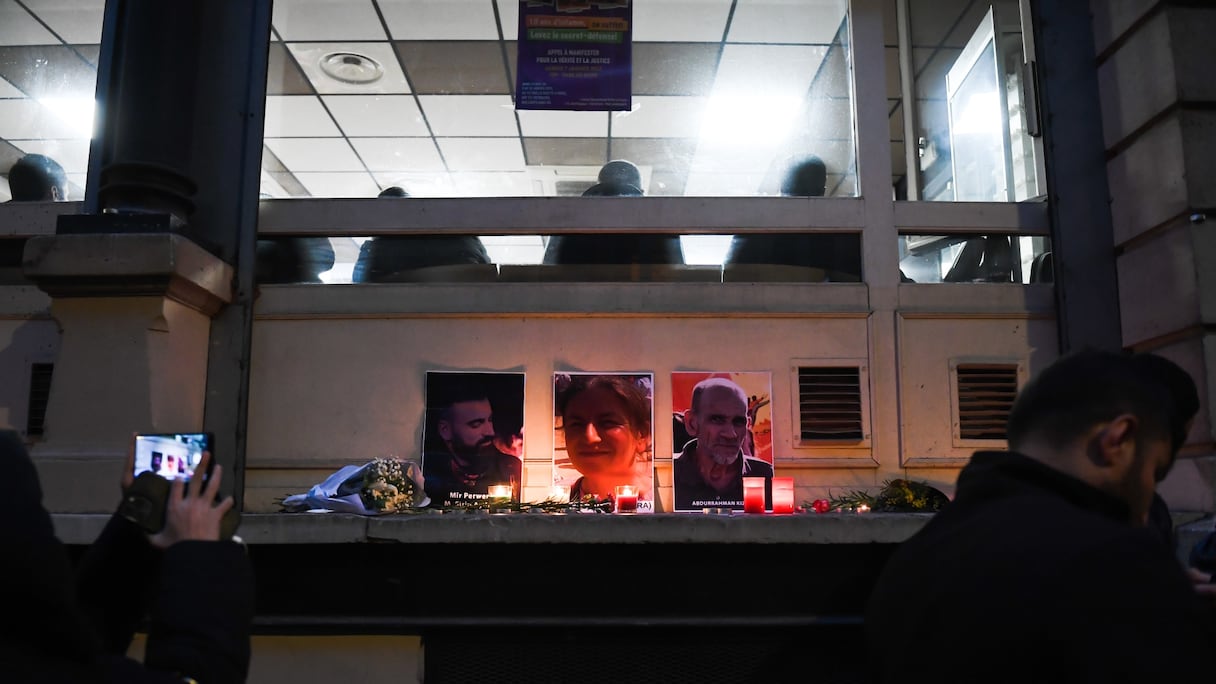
{"x":76,"y":183}
{"x":493,"y":184}
{"x":553,"y":124}
{"x":17,"y":27}
{"x":72,"y":155}
{"x":339,"y":184}
{"x":28,"y":120}
{"x":787,"y":21}
{"x":508,"y":15}
{"x":270,"y":186}
{"x":376,"y":115}
{"x":434,"y":184}
{"x":660,"y":117}
{"x":705,"y":250}
{"x":292,"y":116}
{"x":314,"y":154}
{"x":514,"y":249}
{"x":9,"y":90}
{"x":441,"y":19}
{"x":327,"y":20}
{"x":309,"y":56}
{"x":78,"y":22}
{"x":460,"y":115}
{"x":482,"y":154}
{"x":701,"y":184}
{"x":695,"y":21}
{"x":748,"y":69}
{"x":398,"y":154}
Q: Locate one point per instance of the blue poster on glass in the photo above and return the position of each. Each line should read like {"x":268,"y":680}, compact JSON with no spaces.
{"x":575,"y":55}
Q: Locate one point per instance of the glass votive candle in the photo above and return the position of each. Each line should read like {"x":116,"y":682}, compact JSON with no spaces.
{"x":500,"y":497}
{"x":783,"y":495}
{"x":560,"y":493}
{"x":626,"y":499}
{"x":753,"y":495}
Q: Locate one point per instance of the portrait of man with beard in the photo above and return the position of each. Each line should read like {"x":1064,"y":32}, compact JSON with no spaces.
{"x":709,"y":471}
{"x":469,"y":416}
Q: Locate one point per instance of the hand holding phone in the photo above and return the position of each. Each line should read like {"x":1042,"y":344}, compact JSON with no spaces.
{"x":193,"y":512}
{"x":171,"y":489}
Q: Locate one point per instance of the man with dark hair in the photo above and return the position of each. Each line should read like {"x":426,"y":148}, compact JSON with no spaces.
{"x":1041,"y":568}
{"x":468,"y":463}
{"x":37,"y":178}
{"x":709,"y":471}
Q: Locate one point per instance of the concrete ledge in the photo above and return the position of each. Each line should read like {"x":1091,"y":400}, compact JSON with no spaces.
{"x":533,"y":528}
{"x":129,"y":264}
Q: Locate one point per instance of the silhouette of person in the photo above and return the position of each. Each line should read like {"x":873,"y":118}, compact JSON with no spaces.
{"x":37,"y":178}
{"x":1042,"y":565}
{"x":617,"y":178}
{"x":839,"y":255}
{"x":385,"y":258}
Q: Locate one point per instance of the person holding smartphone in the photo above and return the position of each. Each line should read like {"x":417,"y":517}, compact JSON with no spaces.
{"x":68,"y":627}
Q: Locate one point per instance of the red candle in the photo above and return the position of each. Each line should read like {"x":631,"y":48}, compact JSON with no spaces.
{"x":753,"y":495}
{"x":783,"y":495}
{"x":626,"y":499}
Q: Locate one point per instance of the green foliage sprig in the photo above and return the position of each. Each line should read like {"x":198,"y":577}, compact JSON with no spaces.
{"x":896,"y":496}
{"x":586,"y":505}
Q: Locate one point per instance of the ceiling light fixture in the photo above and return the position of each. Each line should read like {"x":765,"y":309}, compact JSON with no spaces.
{"x":351,"y":67}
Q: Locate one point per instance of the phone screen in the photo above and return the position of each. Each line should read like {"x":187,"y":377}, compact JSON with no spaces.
{"x":173,"y":456}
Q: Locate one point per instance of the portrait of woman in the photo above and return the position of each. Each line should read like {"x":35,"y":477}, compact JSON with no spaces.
{"x":604,"y":434}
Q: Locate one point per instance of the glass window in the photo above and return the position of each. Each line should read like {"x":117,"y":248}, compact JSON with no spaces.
{"x":964,"y":64}
{"x":727,"y":97}
{"x":976,"y":259}
{"x":48,"y":75}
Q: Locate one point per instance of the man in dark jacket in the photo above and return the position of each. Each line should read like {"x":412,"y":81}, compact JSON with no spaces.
{"x":62,"y":626}
{"x":1041,"y":569}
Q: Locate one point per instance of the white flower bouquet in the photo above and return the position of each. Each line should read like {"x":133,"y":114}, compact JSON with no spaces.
{"x":381,"y":486}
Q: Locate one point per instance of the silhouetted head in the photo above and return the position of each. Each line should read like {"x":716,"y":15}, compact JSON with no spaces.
{"x":807,"y":177}
{"x":393,"y":191}
{"x":37,"y":178}
{"x":612,"y":190}
{"x":622,"y":172}
{"x":1114,"y":421}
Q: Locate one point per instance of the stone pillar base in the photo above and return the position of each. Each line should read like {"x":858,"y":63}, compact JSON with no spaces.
{"x":134,"y":312}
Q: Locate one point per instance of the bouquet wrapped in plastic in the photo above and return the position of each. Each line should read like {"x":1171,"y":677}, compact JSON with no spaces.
{"x":384,"y":485}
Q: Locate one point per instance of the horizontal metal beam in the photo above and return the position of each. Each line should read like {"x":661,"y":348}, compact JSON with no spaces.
{"x":547,"y":215}
{"x":942,"y":218}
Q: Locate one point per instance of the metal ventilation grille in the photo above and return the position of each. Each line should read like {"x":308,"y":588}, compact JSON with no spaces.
{"x":829,"y":403}
{"x":985,"y":395}
{"x":40,"y":394}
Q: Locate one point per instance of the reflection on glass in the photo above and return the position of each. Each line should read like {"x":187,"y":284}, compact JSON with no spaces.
{"x":723,"y":93}
{"x":976,"y":259}
{"x":815,"y":258}
{"x":48,"y":74}
{"x":970,"y":138}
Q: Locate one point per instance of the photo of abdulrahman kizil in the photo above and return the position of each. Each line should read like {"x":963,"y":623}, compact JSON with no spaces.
{"x":604,"y":435}
{"x":722,"y":432}
{"x":473,"y":436}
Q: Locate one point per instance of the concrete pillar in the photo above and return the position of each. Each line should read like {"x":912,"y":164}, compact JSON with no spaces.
{"x":1159,"y":130}
{"x":135,"y":314}
{"x":153,"y":283}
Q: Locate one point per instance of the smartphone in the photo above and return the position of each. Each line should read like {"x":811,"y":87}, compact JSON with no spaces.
{"x":173,"y":456}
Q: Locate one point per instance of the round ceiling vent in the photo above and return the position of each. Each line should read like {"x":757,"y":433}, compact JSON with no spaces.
{"x":351,"y":67}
